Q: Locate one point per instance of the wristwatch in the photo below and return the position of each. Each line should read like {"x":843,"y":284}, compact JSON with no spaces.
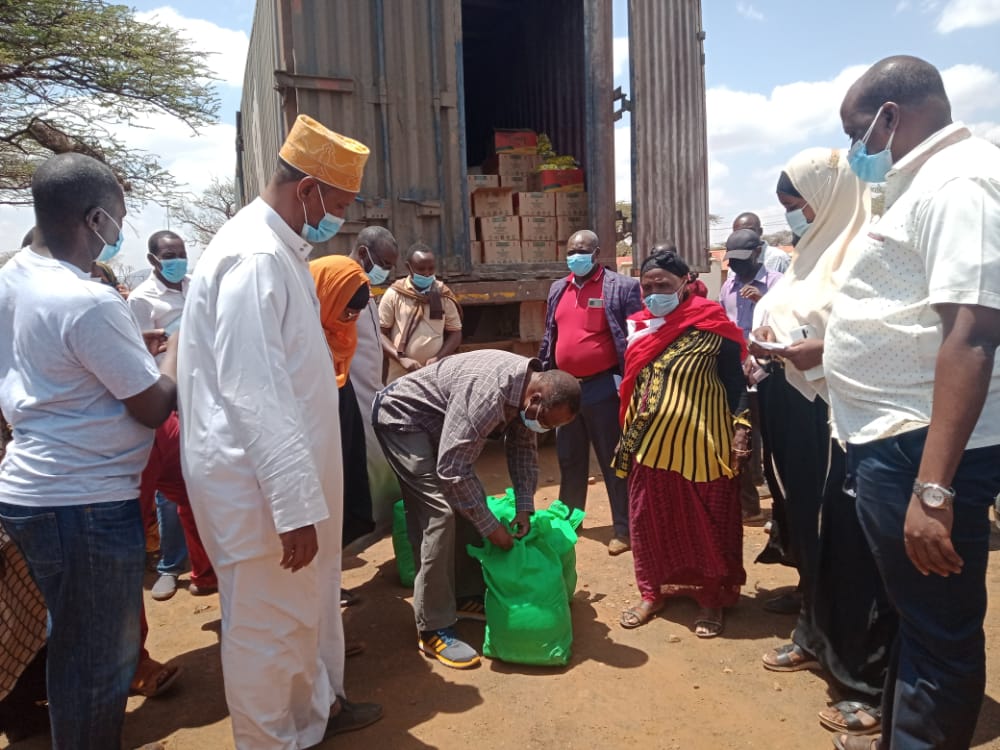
{"x":933,"y":495}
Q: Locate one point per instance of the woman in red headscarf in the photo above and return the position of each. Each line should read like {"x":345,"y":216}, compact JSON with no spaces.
{"x":682,"y":448}
{"x":343,"y":291}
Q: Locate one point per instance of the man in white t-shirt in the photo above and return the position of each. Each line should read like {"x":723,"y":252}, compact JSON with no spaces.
{"x":158,"y":303}
{"x":915,"y":389}
{"x":83,"y":395}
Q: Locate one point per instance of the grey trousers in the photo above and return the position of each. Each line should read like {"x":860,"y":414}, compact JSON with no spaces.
{"x":438,"y":534}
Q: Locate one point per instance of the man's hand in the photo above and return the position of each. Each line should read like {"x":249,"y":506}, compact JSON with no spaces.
{"x":501,"y":538}
{"x":299,"y":547}
{"x":430,"y":361}
{"x":927,"y":538}
{"x":766,"y":334}
{"x":156,"y":341}
{"x":805,"y":354}
{"x":410,"y":365}
{"x":522,"y":524}
{"x":750,"y":292}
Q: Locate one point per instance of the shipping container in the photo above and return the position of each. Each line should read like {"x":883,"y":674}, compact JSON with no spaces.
{"x":424,"y":83}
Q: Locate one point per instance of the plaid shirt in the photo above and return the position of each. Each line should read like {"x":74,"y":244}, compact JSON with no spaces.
{"x":463,"y":400}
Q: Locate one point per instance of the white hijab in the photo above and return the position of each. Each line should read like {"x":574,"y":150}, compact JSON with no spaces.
{"x":804,"y":295}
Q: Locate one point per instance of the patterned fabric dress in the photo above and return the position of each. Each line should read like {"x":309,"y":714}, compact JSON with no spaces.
{"x":684,"y":515}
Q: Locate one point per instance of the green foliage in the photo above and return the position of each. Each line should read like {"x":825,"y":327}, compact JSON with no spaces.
{"x":74,"y":73}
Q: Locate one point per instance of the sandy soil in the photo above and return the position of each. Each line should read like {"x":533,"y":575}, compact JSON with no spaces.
{"x":657,"y":687}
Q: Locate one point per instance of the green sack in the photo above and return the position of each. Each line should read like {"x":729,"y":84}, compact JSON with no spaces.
{"x":559,"y":525}
{"x":527,"y":611}
{"x":401,"y":546}
{"x":503,"y":506}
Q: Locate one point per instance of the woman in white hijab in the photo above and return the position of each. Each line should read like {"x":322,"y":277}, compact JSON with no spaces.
{"x":845,"y":625}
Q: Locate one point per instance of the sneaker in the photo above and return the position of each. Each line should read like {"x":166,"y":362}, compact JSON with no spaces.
{"x":618,"y":545}
{"x":351,"y":717}
{"x":445,"y":646}
{"x":471,"y":608}
{"x":165,"y":587}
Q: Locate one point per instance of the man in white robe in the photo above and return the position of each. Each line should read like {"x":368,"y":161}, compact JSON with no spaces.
{"x":261,"y":447}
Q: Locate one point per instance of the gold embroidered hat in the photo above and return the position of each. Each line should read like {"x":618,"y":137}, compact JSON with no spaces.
{"x":330,"y":157}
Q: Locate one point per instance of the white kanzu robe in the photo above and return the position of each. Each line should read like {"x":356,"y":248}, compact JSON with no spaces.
{"x":260,"y":441}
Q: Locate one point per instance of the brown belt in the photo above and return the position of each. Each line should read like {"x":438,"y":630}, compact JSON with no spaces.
{"x":596,"y":375}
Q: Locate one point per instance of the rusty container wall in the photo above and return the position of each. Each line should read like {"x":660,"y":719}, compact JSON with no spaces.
{"x":669,"y":135}
{"x":384,"y":72}
{"x":262,"y":127}
{"x":600,"y":136}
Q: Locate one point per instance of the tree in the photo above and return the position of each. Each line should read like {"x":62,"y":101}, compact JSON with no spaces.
{"x":74,"y":72}
{"x":784,"y":237}
{"x":205,"y":214}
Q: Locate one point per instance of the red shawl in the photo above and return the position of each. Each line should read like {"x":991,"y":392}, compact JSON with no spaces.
{"x":693,"y":312}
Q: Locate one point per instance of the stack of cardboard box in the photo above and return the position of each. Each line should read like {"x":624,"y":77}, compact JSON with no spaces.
{"x":571,"y":216}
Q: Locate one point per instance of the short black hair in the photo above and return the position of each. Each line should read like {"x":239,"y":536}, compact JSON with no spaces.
{"x":559,"y":388}
{"x":418,"y":247}
{"x":748,"y":217}
{"x":66,"y":186}
{"x":903,"y":79}
{"x":285,"y":172}
{"x":163,"y":234}
{"x":668,"y":261}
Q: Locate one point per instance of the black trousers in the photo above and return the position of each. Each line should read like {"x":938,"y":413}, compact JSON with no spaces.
{"x":357,"y":495}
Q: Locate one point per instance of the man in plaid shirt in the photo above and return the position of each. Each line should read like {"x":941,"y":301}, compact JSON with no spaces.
{"x":432,"y":425}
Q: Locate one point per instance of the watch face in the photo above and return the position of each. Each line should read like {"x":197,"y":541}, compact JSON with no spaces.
{"x":933,"y":497}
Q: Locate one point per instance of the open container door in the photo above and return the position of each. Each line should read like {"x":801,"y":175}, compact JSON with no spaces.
{"x":669,"y":133}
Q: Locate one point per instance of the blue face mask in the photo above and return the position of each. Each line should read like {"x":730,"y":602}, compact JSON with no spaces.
{"x":110,"y":251}
{"x":422,"y":283}
{"x":797,"y":222}
{"x":580,"y":264}
{"x":533,"y":424}
{"x":174,"y":269}
{"x":329,"y":225}
{"x":662,"y":304}
{"x":871,"y":167}
{"x":377,"y":275}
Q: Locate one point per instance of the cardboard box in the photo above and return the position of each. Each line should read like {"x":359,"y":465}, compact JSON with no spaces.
{"x":479,"y":181}
{"x":515,"y":141}
{"x":476,"y":252}
{"x":499,"y":229}
{"x":493,"y":202}
{"x":538,"y":228}
{"x":567,"y":225}
{"x":531,"y":324}
{"x":557,"y":181}
{"x":517,"y":184}
{"x":534,"y":204}
{"x":571,"y":204}
{"x":539,"y":251}
{"x":502,"y":252}
{"x":512,"y":165}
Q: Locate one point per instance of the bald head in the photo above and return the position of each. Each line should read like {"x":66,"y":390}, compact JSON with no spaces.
{"x":585,"y":239}
{"x":748,"y":220}
{"x":901,"y":97}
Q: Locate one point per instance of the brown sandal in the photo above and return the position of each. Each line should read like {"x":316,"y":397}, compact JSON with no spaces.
{"x":640,"y":614}
{"x":153,"y":678}
{"x":856,"y":742}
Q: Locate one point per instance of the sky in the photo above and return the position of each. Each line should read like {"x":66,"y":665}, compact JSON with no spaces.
{"x":776,"y":72}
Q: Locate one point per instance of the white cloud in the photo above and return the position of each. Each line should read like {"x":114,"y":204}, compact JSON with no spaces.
{"x":970,"y":88}
{"x":748,"y":11}
{"x":619,"y":55}
{"x":623,"y":163}
{"x":225,"y":49}
{"x":968,"y":14}
{"x":988,"y":130}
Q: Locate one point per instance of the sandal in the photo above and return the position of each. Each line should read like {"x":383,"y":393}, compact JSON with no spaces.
{"x":640,"y":614}
{"x":789,"y":658}
{"x":152,"y":678}
{"x":854,"y":742}
{"x":471,"y":608}
{"x":708,"y":623}
{"x":852,"y":717}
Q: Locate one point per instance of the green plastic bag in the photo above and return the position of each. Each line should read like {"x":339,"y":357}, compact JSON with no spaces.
{"x":401,"y":546}
{"x":559,"y":525}
{"x":503,"y":506}
{"x":527,"y":612}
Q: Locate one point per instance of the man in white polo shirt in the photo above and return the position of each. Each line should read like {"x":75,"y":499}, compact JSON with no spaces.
{"x":915,"y":389}
{"x":83,"y":395}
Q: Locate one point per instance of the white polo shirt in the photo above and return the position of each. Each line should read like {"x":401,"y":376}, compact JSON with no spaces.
{"x":155,"y":305}
{"x":937,"y":243}
{"x":70,"y":352}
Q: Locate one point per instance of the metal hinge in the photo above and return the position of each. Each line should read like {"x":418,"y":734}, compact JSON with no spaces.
{"x":626,"y":103}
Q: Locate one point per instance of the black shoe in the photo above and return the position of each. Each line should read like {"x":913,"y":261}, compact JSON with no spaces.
{"x":786,"y":604}
{"x":352,"y":716}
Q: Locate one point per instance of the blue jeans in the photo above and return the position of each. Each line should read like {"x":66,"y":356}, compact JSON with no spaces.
{"x":173,"y":547}
{"x":937,"y":669}
{"x":88,"y":562}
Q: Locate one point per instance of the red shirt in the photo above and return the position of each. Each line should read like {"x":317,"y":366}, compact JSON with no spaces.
{"x":584,"y":345}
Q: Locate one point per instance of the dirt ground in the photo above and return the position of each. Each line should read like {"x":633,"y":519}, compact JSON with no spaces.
{"x":657,"y":687}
